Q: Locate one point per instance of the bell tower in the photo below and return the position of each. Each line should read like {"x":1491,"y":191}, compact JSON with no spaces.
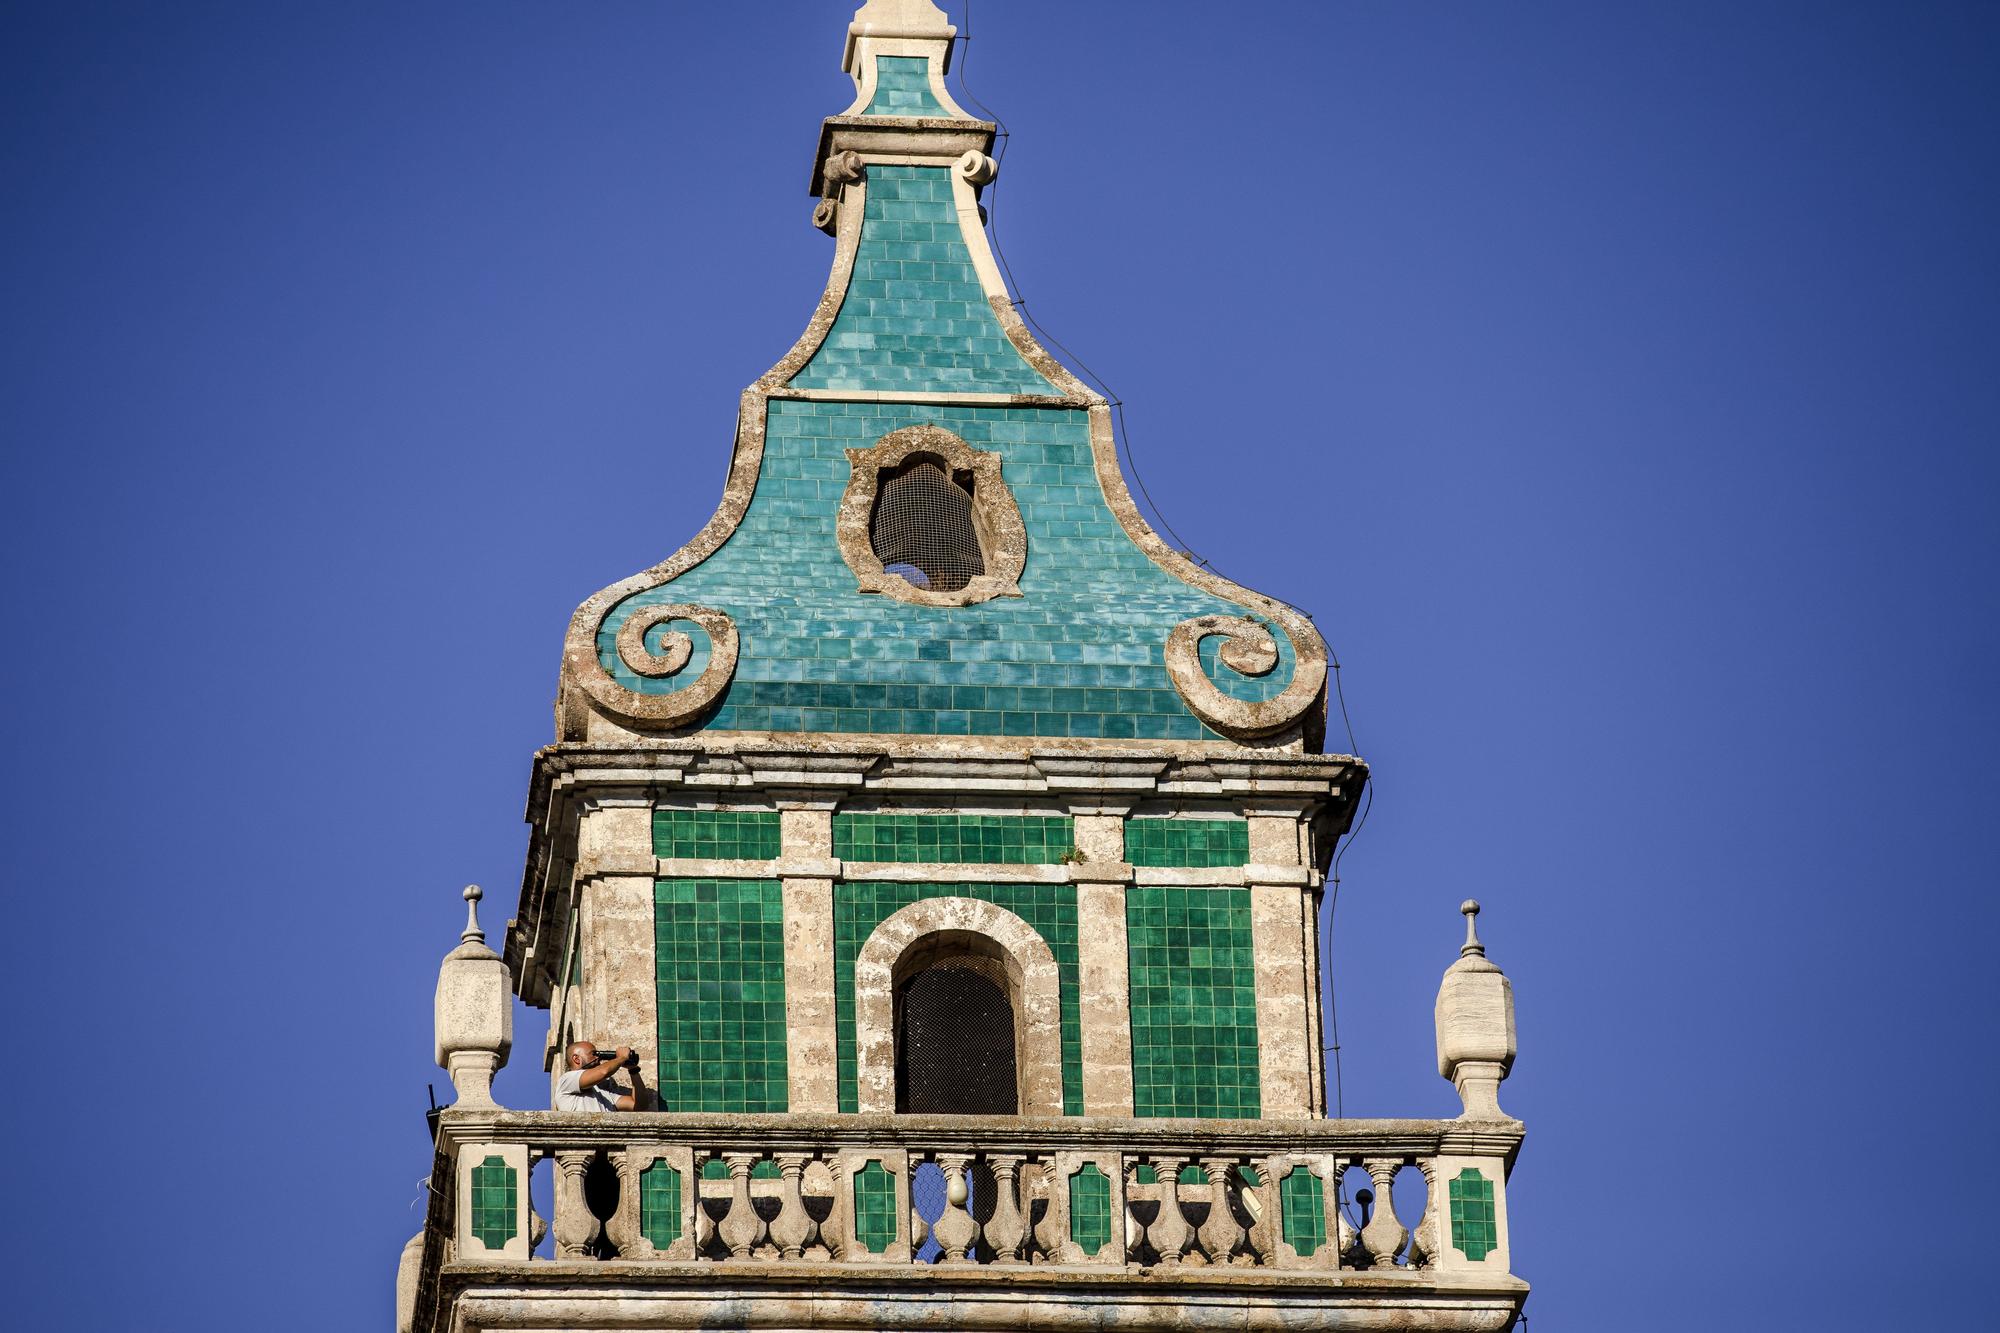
{"x":949,"y":848}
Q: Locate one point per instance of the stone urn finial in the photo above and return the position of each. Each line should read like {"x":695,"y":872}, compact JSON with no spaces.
{"x":475,"y":1011}
{"x":1475,"y":1025}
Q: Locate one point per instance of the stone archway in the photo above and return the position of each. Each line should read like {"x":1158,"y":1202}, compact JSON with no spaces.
{"x":974,"y":929}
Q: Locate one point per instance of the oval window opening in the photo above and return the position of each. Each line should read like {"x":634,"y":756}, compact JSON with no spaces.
{"x":923,"y":522}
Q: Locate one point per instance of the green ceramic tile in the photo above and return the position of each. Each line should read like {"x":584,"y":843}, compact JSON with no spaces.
{"x":660,"y":1204}
{"x":1475,"y":1230}
{"x":903,"y":88}
{"x":875,"y":1207}
{"x":719,"y":957}
{"x":495,"y":1202}
{"x":1187,"y":842}
{"x":1194,"y":1025}
{"x":945,"y":838}
{"x":1090,"y":1208}
{"x":1302,"y":1210}
{"x":729,"y":835}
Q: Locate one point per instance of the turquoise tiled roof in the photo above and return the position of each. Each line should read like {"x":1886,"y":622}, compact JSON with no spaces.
{"x":1078,"y":654}
{"x":915,"y":317}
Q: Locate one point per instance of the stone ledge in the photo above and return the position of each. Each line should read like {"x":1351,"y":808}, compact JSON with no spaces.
{"x":752,"y":1295}
{"x":782,"y":1131}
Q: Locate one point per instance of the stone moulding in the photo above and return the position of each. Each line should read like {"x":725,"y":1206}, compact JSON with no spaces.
{"x":1003,"y":541}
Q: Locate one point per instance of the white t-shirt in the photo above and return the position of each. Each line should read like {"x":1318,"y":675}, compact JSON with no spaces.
{"x":571,"y":1095}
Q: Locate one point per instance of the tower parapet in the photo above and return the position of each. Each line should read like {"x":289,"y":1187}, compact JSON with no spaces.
{"x":949,"y":849}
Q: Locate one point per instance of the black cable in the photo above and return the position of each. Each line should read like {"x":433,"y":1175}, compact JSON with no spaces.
{"x":1003,"y":137}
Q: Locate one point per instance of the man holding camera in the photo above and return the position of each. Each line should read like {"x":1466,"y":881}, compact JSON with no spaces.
{"x":585,"y":1085}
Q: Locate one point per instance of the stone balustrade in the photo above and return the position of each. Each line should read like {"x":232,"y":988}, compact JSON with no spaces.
{"x":1084,"y":1193}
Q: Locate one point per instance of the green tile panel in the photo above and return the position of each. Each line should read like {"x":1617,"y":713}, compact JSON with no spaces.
{"x":727,"y":835}
{"x":1193,"y":1002}
{"x":1080,"y":653}
{"x":1090,"y":1208}
{"x":903,"y":88}
{"x":496,"y":1208}
{"x":1187,"y":842}
{"x":1302,"y":1210}
{"x":875,"y":1207}
{"x":720,"y":964}
{"x":860,"y":906}
{"x":660,"y":1204}
{"x":1475,"y":1231}
{"x":946,"y":838}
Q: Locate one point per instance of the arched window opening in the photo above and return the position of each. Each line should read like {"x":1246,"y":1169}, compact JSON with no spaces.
{"x":956,"y":1034}
{"x":922,"y":527}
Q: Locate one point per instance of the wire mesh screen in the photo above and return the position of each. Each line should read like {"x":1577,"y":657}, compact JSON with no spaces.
{"x":923,"y":523}
{"x":955,"y":1045}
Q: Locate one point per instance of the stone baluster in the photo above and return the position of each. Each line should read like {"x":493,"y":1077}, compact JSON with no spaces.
{"x":623,"y":1228}
{"x":1424,"y":1240}
{"x":1221,"y":1233}
{"x":1049,"y":1233}
{"x":1008,"y":1226}
{"x":956,"y":1229}
{"x":1169,"y":1232}
{"x":1384,"y":1236}
{"x":1269,"y":1211}
{"x":577,"y":1228}
{"x":792,"y":1228}
{"x":1347,"y":1241}
{"x":741,"y":1227}
{"x":538,"y":1226}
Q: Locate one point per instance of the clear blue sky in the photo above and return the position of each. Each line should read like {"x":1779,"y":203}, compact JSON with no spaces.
{"x":1614,"y":383}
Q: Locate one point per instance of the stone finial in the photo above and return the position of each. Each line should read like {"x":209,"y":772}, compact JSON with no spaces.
{"x":1475,"y":1025}
{"x":474,"y":1012}
{"x":472,"y":934}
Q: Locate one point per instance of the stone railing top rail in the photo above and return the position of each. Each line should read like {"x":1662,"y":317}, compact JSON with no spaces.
{"x":1375,"y":1138}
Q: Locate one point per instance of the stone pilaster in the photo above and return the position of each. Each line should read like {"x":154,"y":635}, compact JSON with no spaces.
{"x":615,"y":874}
{"x":1103,"y":964}
{"x":1280,"y":932}
{"x":807,"y":867}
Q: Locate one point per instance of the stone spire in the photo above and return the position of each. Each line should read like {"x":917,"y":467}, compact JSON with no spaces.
{"x":474,"y":1012}
{"x":1475,"y":1025}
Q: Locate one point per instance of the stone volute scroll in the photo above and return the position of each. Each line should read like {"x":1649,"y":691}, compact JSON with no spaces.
{"x":650,"y":647}
{"x":1475,"y":1025}
{"x":474,"y":1012}
{"x":1249,"y":650}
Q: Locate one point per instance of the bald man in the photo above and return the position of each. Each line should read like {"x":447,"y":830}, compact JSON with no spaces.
{"x":586,"y":1084}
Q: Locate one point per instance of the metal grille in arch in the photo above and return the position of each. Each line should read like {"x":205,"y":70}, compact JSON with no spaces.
{"x":955,"y":1045}
{"x":923,"y":523}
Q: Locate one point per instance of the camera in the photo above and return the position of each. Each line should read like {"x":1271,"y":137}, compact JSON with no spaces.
{"x":606,"y":1057}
